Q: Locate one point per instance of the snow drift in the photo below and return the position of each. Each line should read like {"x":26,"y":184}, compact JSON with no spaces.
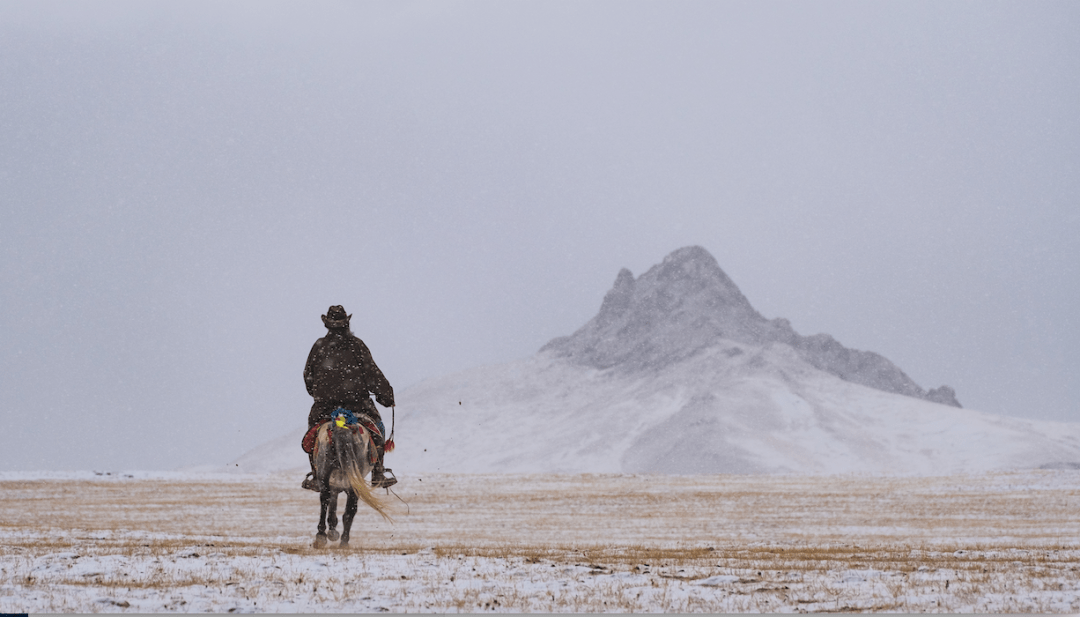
{"x":679,"y":374}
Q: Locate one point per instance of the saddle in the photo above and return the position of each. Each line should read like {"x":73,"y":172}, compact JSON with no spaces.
{"x":312,"y":435}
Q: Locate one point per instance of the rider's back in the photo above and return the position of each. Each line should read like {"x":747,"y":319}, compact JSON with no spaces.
{"x":340,"y":368}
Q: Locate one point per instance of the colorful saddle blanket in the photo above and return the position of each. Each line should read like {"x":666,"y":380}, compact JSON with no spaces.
{"x":312,"y":435}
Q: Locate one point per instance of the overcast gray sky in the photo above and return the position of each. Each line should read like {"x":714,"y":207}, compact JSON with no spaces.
{"x":186,"y":186}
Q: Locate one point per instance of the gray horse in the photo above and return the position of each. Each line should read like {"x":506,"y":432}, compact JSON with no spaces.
{"x":343,"y":458}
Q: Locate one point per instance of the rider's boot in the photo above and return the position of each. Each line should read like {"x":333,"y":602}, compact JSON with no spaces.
{"x":378,"y":473}
{"x":310,"y":482}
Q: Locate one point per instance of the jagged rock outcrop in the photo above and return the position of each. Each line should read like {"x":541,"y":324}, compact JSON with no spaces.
{"x":687,"y":304}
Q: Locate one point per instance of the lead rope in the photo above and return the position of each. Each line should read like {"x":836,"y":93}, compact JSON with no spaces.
{"x":408,"y":510}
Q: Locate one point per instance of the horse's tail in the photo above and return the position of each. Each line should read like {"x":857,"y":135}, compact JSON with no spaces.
{"x":352,"y":450}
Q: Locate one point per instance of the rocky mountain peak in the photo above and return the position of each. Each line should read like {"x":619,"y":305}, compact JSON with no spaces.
{"x":676,"y":308}
{"x":686,"y":304}
{"x":617,"y":301}
{"x":692,"y":271}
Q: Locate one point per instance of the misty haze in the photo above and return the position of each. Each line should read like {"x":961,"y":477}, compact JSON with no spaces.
{"x":681,"y":244}
{"x":186,"y":187}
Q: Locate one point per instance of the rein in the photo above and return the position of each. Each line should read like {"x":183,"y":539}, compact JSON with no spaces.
{"x":388,"y":445}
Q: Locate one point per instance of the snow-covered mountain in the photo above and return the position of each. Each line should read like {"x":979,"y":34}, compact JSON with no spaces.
{"x":687,"y":304}
{"x":678,"y":373}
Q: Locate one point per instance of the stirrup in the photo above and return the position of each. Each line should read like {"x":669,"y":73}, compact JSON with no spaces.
{"x":310,"y":483}
{"x":383,"y":481}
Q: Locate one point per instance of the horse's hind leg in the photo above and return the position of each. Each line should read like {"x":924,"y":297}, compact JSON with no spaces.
{"x":324,"y":501}
{"x":332,"y":519}
{"x":350,"y":513}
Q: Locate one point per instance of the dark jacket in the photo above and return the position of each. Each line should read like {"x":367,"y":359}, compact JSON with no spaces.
{"x":341,"y":372}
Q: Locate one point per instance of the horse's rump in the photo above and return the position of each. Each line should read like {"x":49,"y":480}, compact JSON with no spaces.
{"x":340,"y":454}
{"x":311,"y":437}
{"x":321,"y":436}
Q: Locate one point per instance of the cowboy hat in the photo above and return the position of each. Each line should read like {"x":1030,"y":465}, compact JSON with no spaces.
{"x":335,"y":317}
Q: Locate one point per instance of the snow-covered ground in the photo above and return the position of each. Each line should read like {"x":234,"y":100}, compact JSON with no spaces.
{"x":148,"y":542}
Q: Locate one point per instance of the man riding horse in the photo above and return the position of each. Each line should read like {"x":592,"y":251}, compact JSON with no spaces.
{"x":341,"y":373}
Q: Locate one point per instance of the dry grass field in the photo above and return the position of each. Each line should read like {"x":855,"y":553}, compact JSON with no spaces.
{"x":1004,"y":542}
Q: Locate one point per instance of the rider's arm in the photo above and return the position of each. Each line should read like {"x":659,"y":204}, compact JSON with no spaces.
{"x":375,"y":380}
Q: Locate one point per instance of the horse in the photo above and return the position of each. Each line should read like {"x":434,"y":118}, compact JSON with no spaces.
{"x":343,"y":458}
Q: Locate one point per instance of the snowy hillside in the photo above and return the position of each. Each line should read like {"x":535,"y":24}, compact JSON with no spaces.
{"x":679,"y":374}
{"x":734,"y":409}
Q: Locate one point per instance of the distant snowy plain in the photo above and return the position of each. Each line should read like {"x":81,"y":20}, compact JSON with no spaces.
{"x":192,"y":542}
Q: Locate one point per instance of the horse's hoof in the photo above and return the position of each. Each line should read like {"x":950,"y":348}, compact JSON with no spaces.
{"x":320,"y":541}
{"x":344,"y":544}
{"x":333,"y":535}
